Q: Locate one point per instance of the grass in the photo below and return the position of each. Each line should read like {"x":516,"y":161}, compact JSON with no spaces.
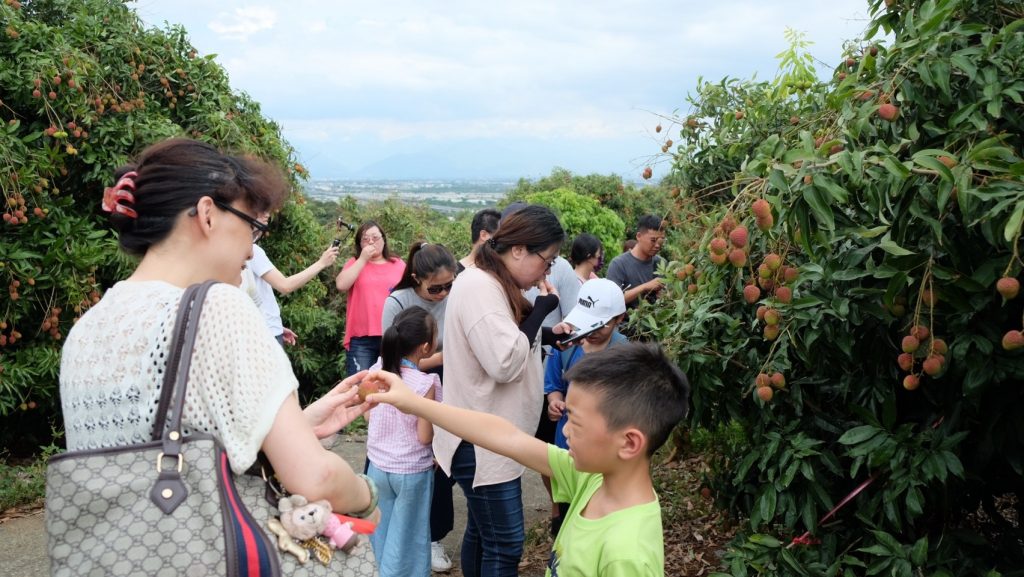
{"x":23,"y":482}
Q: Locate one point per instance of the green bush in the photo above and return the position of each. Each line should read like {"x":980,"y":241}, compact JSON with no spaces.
{"x":84,"y":87}
{"x":888,"y":224}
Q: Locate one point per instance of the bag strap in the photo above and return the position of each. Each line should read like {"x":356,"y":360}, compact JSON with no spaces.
{"x":169,"y":491}
{"x":174,"y":355}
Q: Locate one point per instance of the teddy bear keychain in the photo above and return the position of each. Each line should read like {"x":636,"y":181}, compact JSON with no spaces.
{"x":301,"y":523}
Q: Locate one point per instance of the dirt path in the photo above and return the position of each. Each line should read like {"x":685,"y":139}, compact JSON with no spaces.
{"x":23,"y":540}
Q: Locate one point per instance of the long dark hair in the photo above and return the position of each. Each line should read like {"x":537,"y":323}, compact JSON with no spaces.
{"x":412,"y":328}
{"x":358,"y":242}
{"x":424,"y":260}
{"x":534,"y":227}
{"x":174,"y":174}
{"x":584,"y":247}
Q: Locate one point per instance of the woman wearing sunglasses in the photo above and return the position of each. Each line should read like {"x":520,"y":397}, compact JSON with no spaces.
{"x":428,"y":279}
{"x":368,"y":278}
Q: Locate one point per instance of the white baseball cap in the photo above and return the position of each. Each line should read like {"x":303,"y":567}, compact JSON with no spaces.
{"x":599,"y":301}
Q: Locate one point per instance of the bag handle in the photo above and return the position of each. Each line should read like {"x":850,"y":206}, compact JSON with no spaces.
{"x":169,"y":491}
{"x":173,"y":359}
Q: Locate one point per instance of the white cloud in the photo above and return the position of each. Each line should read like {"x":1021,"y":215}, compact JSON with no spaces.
{"x":243,"y":22}
{"x":344,"y":74}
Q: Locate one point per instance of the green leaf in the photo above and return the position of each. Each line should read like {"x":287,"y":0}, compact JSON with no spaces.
{"x":1012,"y":229}
{"x":919,"y":552}
{"x":858,"y":435}
{"x":766,"y":505}
{"x":765,"y":540}
{"x":822,"y":212}
{"x":892,"y":248}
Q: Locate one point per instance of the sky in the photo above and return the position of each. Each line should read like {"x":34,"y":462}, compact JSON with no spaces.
{"x":469,"y":89}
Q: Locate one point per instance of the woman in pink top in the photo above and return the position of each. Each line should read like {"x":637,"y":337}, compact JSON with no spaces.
{"x":368,"y":279}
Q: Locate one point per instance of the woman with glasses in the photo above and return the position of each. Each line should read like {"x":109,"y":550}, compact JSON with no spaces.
{"x":187,"y":211}
{"x":492,"y":341}
{"x":429,"y":275}
{"x":368,"y":278}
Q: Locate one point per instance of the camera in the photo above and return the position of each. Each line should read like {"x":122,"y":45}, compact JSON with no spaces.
{"x":336,"y":243}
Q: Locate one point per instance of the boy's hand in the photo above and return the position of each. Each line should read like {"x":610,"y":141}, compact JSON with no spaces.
{"x":395,"y":392}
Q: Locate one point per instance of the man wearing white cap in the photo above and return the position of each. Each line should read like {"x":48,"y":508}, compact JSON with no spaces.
{"x":600,"y":307}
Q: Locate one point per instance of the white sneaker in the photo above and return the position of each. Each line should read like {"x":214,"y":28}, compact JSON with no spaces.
{"x":439,"y":561}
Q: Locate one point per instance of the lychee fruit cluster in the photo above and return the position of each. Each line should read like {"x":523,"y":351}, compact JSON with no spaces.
{"x":734,"y":249}
{"x":919,"y":345}
{"x":765,"y":385}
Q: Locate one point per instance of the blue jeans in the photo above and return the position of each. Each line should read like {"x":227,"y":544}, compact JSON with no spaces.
{"x":493,"y":543}
{"x":362,"y":353}
{"x":401,"y":542}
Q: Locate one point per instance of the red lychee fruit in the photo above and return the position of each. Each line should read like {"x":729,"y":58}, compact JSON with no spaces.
{"x":888,"y":112}
{"x":761,"y":208}
{"x":368,"y":387}
{"x":910,"y":344}
{"x":933,"y":365}
{"x":657,"y":128}
{"x":929,"y":298}
{"x":905,"y":361}
{"x":728,"y":224}
{"x":773,"y":261}
{"x":911,"y":382}
{"x":762,"y":380}
{"x":1008,"y":287}
{"x":1013,"y":340}
{"x":778,"y":380}
{"x":691,"y":288}
{"x":760,"y":312}
{"x":647,"y":173}
{"x":718,"y":246}
{"x":718,"y":258}
{"x":737,"y":257}
{"x":784,"y":295}
{"x":771,"y":332}
{"x":939,"y":346}
{"x":920,"y":332}
{"x":751,"y":294}
{"x":790,"y":274}
{"x":765,"y":393}
{"x":763,"y":271}
{"x":739,"y":236}
{"x":739,"y":115}
{"x":772,"y":317}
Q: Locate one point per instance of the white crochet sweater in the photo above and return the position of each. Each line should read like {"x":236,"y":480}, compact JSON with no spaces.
{"x":113,"y":363}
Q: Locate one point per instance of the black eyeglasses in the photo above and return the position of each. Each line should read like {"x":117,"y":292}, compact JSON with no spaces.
{"x":258,"y":228}
{"x":437,"y":289}
{"x":549,"y":263}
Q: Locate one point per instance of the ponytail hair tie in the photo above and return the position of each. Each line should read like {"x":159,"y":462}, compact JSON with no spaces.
{"x":120,"y":197}
{"x":492,"y":243}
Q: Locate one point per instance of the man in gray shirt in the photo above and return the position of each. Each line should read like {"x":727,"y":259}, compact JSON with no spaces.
{"x":634,"y":270}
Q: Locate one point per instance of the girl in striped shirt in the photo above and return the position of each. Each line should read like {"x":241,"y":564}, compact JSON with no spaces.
{"x":399,"y":453}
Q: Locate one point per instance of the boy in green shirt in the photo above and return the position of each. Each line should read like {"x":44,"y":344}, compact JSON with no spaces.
{"x":623,"y":403}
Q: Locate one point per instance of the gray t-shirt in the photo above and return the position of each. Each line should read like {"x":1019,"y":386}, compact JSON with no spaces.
{"x":628,"y":272}
{"x":404,"y":298}
{"x":563,"y":277}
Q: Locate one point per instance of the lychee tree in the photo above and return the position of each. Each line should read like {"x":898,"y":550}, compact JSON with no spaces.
{"x":84,"y":86}
{"x":854,"y":328}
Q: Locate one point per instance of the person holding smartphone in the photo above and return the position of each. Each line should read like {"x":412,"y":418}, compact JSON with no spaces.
{"x":261,"y":278}
{"x":600,"y":307}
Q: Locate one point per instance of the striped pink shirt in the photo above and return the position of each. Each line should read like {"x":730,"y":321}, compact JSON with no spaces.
{"x":391,"y":443}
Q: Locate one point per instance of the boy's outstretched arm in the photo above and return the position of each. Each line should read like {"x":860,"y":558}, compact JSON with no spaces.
{"x":482,"y":429}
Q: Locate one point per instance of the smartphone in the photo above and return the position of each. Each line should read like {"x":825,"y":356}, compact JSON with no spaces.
{"x":336,"y":243}
{"x":576,"y":337}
